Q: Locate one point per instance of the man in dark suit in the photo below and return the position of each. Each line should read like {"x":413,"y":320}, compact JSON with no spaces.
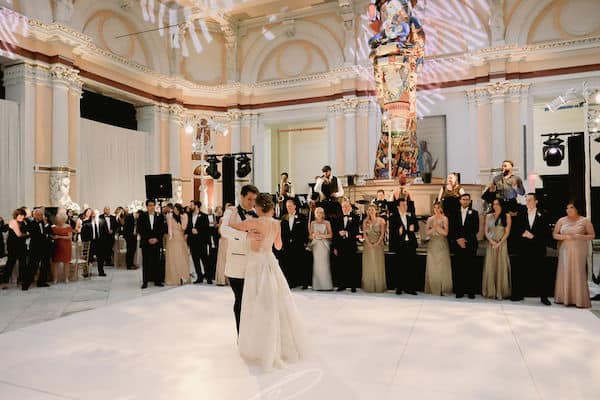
{"x":130,"y":236}
{"x":533,"y":234}
{"x":110,"y":221}
{"x":40,"y":249}
{"x":346,"y":265}
{"x":151,"y":228}
{"x":213,"y":241}
{"x":197,"y":238}
{"x":403,"y":241}
{"x":294,"y":235}
{"x":463,"y":243}
{"x":99,"y":241}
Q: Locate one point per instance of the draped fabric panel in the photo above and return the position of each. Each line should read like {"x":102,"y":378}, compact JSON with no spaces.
{"x":10,"y":159}
{"x":111,"y":166}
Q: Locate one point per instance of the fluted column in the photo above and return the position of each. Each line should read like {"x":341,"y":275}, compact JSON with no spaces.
{"x":148,"y":118}
{"x":19,"y":81}
{"x":472,"y":142}
{"x":374,"y":133}
{"x":362,"y":139}
{"x":331,"y":134}
{"x":175,"y":113}
{"x":350,"y":165}
{"x":235,"y":130}
{"x":498,"y":128}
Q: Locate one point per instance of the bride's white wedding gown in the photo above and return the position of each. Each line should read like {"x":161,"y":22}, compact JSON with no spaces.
{"x":271,"y":331}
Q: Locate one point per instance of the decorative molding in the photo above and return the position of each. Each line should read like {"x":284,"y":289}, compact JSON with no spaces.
{"x":497,"y":91}
{"x":61,"y":74}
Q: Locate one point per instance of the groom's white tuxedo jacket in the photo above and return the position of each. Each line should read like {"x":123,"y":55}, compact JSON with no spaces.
{"x":237,"y":245}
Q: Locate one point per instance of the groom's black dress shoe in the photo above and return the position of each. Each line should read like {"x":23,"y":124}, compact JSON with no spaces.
{"x":304,"y":287}
{"x":144,"y":285}
{"x":545,"y":301}
{"x":471,"y":296}
{"x":460,"y":296}
{"x":353,"y":290}
{"x":159,"y":284}
{"x":411,"y":292}
{"x":197,"y":281}
{"x":341,"y":289}
{"x":398,"y":291}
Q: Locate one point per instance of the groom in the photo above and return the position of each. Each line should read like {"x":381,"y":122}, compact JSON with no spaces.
{"x":235,"y":262}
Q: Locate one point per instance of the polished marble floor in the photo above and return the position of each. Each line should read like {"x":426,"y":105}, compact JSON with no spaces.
{"x":180,"y":344}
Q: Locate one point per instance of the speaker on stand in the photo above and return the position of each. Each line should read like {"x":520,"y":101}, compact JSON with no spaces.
{"x":159,"y":186}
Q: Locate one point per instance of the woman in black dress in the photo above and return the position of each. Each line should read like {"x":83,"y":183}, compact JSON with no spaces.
{"x":17,"y":248}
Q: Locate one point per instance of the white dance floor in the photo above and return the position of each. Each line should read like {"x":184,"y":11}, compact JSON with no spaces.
{"x":180,"y":344}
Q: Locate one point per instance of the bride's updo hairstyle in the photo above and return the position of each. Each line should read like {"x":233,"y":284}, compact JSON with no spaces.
{"x":264,"y":201}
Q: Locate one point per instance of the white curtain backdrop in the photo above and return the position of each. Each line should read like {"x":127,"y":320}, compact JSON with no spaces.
{"x":112,"y":165}
{"x":10,"y":159}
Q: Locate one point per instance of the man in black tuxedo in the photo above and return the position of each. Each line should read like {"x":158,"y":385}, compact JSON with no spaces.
{"x":403,"y":241}
{"x":130,"y":236}
{"x":346,"y":265}
{"x":197,"y":238}
{"x":294,"y":235}
{"x":151,"y":228}
{"x":533,"y":235}
{"x":109,"y":235}
{"x":463,"y":243}
{"x":100,"y":241}
{"x":213,"y":241}
{"x":40,"y":249}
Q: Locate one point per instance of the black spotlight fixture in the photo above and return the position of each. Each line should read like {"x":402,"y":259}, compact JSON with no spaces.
{"x":243,"y":166}
{"x":212,"y":169}
{"x":597,"y":157}
{"x":554,"y":151}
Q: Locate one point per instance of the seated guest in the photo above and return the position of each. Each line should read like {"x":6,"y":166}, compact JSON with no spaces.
{"x":573,"y":233}
{"x":382,"y":204}
{"x":438,"y":270}
{"x":320,"y":236}
{"x":373,"y":258}
{"x":463,"y":240}
{"x":294,"y":236}
{"x":532,"y":232}
{"x":61,"y":254}
{"x":346,"y":266}
{"x":496,"y":267}
{"x":403,"y":241}
{"x":16,"y":245}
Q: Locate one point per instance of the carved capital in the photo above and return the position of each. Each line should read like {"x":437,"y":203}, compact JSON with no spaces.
{"x":62,"y":74}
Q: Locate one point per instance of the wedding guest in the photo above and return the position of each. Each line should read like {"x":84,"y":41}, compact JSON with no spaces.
{"x":403,"y":241}
{"x":345,"y":261}
{"x":382,"y":204}
{"x":573,"y":233}
{"x":449,"y":195}
{"x":463,"y":239}
{"x":533,"y":233}
{"x":129,"y":233}
{"x":373,"y":257}
{"x":213,"y":242}
{"x":197,"y":238}
{"x":177,"y":271}
{"x":100,"y":246}
{"x":438,"y":269}
{"x":108,"y":236}
{"x":40,"y":247}
{"x":330,"y":191}
{"x":320,"y":236}
{"x":62,"y":234}
{"x":3,"y":228}
{"x":401,"y":192}
{"x":16,"y":245}
{"x":496,"y":267}
{"x":506,"y":187}
{"x":87,"y":234}
{"x":151,"y":227}
{"x":294,"y":235}
{"x":220,"y":277}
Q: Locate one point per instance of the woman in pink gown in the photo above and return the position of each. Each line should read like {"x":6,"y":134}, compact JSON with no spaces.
{"x":573,"y":233}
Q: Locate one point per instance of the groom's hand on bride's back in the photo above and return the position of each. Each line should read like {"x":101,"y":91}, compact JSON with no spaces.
{"x":256,"y":236}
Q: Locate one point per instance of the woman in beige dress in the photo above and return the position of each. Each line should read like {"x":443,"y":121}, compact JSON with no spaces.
{"x":220,"y":278}
{"x":373,"y":257}
{"x":496,"y":268}
{"x":438,"y":270}
{"x":573,"y":233}
{"x":320,"y":235}
{"x":177,"y":263}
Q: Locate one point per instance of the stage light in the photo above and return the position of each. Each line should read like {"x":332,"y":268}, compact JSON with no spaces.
{"x":598,"y":98}
{"x":597,"y":157}
{"x":554,"y":151}
{"x":189,"y":129}
{"x":243,"y":167}
{"x":212,"y":169}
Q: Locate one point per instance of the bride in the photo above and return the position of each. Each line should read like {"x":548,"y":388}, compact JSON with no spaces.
{"x":271,"y":332}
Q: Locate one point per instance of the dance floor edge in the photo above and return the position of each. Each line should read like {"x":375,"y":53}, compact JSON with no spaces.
{"x":181,"y":344}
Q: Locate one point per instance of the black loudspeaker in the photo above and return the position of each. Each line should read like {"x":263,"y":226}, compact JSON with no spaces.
{"x":351,"y":180}
{"x":159,"y":186}
{"x":228,"y":169}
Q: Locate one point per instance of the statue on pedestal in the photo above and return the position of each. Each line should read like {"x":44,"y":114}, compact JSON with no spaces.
{"x":397,"y":54}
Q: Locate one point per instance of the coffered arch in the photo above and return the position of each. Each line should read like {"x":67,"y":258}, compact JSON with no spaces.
{"x":308,"y":32}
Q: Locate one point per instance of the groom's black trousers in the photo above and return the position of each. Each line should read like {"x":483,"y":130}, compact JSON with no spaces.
{"x":237,"y":285}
